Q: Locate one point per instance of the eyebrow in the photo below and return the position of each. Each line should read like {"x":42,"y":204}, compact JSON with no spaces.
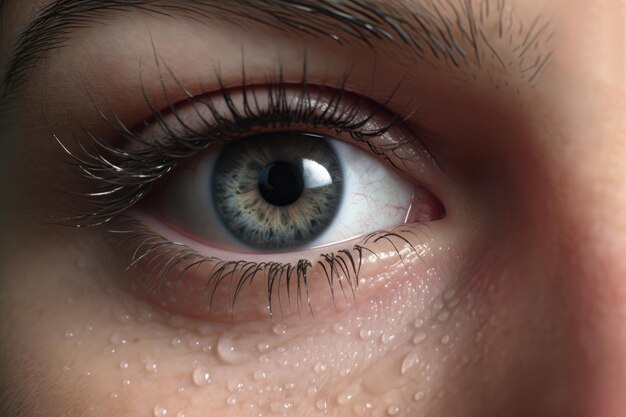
{"x":454,"y":33}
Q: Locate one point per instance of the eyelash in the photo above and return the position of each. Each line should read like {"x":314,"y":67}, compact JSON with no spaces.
{"x":122,"y":178}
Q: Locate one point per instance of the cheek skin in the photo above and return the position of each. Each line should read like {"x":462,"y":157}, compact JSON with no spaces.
{"x":390,"y":353}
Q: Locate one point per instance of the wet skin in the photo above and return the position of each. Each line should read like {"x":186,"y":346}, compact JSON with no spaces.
{"x":511,"y":304}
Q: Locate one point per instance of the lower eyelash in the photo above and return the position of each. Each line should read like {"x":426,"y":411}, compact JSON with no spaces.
{"x":161,"y":257}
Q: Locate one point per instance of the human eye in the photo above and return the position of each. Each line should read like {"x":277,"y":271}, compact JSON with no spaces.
{"x":275,"y":197}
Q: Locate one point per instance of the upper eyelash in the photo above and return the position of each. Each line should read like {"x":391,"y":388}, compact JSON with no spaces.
{"x":123,"y":177}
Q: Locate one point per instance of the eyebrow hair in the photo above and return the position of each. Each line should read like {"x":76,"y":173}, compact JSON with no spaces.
{"x":452,"y":32}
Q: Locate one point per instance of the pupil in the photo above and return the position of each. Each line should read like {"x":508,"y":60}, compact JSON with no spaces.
{"x":281,"y":183}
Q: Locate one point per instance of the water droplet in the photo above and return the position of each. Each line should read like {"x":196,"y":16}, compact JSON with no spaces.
{"x":418,"y":324}
{"x":319,"y":367}
{"x":338,"y":328}
{"x":195,"y":344}
{"x":443,"y":316}
{"x":263,"y":347}
{"x":234,"y":385}
{"x":280,"y":406}
{"x":117,"y":339}
{"x":259,"y":375}
{"x":121,"y":314}
{"x":393,"y":410}
{"x":232,"y":400}
{"x":387,"y":338}
{"x":126,"y":382}
{"x":279,"y":329}
{"x":321,"y":405}
{"x":344,"y":398}
{"x":176,"y":341}
{"x":445,"y":340}
{"x":228,"y":351}
{"x":419,"y":396}
{"x":366,"y":334}
{"x":419,"y":338}
{"x":69,"y":334}
{"x":151,"y":367}
{"x":113,"y":396}
{"x":345,"y":372}
{"x":124,"y":365}
{"x":159,"y":411}
{"x":181,"y":414}
{"x":200,"y":377}
{"x":438,"y":305}
{"x":409,"y":362}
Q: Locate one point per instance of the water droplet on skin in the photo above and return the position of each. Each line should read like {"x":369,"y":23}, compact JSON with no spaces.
{"x":228,"y":351}
{"x":438,"y":305}
{"x":338,"y":328}
{"x":393,"y":410}
{"x":231,"y":400}
{"x":419,"y":396}
{"x":366,"y":334}
{"x":69,"y":334}
{"x":176,"y":341}
{"x":151,"y":367}
{"x":409,"y":362}
{"x":117,"y":339}
{"x":121,"y":314}
{"x":312,"y":391}
{"x":321,"y":405}
{"x":195,"y":344}
{"x":159,"y":411}
{"x":345,"y":398}
{"x":418,"y":324}
{"x":200,"y":377}
{"x":445,"y":340}
{"x":280,"y":406}
{"x":124,"y":365}
{"x":233,"y":386}
{"x":259,"y":375}
{"x":279,"y":329}
{"x":419,"y":338}
{"x":263,"y":347}
{"x":181,"y":414}
{"x":387,"y":338}
{"x":126,"y":382}
{"x":319,"y":367}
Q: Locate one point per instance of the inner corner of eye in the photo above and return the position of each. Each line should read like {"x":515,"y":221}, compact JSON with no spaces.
{"x":288,"y":191}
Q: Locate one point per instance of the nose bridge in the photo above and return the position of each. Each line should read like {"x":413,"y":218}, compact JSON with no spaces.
{"x":592,"y":257}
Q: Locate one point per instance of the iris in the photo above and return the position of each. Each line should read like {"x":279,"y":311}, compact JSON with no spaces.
{"x":279,"y":190}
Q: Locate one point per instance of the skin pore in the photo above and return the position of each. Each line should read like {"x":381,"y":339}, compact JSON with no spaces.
{"x":509,"y":303}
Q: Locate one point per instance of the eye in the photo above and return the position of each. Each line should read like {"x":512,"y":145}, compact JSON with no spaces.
{"x":233,"y":201}
{"x":283,"y":191}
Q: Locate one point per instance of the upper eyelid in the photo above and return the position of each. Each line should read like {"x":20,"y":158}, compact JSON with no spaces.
{"x":427,"y":32}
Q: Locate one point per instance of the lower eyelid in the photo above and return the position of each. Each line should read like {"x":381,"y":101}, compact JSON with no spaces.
{"x":185,"y":282}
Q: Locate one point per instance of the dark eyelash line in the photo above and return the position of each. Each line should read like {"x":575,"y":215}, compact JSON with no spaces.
{"x":163,"y":256}
{"x":120,"y":178}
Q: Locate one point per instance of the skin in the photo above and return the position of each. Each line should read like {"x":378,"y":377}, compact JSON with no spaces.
{"x":514,"y":307}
